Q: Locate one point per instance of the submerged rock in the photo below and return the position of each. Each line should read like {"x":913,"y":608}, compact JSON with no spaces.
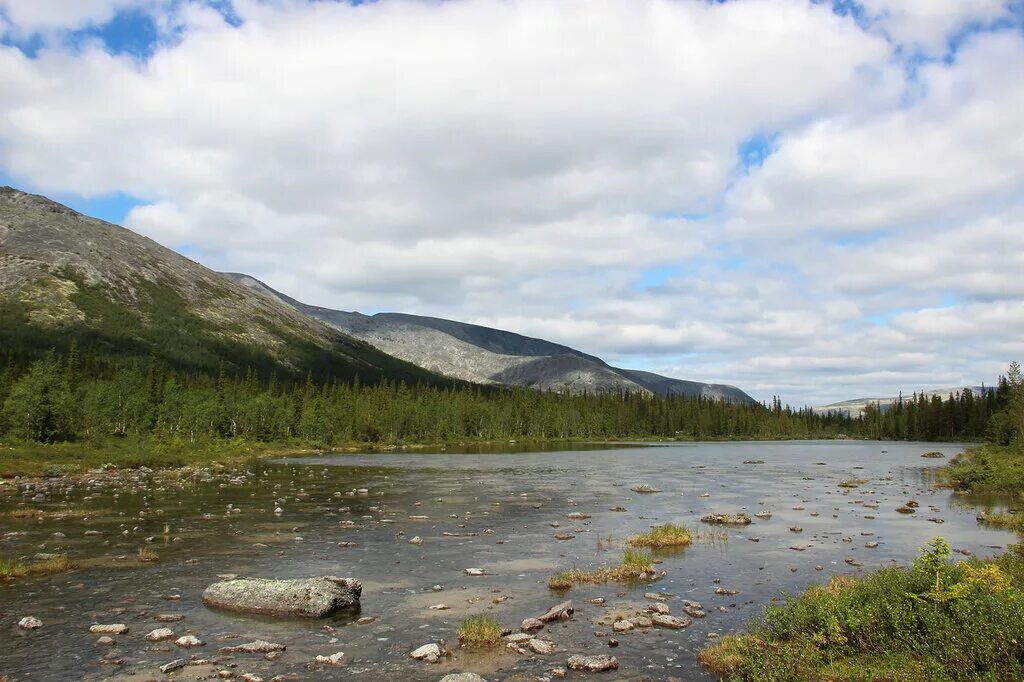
{"x":311,"y":598}
{"x":462,"y":677}
{"x":671,"y":622}
{"x":334,"y":659}
{"x":258,"y":646}
{"x":594,"y":664}
{"x":113,"y":629}
{"x":740,"y":519}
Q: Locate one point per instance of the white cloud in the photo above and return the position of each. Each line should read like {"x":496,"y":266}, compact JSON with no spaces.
{"x":927,"y":25}
{"x":524,"y":163}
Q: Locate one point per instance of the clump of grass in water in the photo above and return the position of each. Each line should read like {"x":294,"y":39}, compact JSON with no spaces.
{"x":852,"y":482}
{"x":10,"y":568}
{"x":634,"y":566}
{"x":479,"y":632}
{"x":146,"y":555}
{"x":1014,"y":522}
{"x":667,"y":535}
{"x":712,"y":537}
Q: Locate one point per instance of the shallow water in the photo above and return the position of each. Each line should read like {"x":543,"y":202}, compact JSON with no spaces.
{"x":504,"y":506}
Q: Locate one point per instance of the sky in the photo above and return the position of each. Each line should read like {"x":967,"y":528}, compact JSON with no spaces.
{"x":819,"y":200}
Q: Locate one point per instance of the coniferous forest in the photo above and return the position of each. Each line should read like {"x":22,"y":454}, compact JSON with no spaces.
{"x":71,"y":398}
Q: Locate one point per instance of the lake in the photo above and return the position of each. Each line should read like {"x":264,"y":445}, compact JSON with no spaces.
{"x":501,"y":510}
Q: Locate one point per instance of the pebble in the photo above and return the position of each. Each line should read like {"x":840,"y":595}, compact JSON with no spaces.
{"x":30,"y":623}
{"x":334,"y":659}
{"x":159,"y":635}
{"x":592,"y":664}
{"x":176,"y":664}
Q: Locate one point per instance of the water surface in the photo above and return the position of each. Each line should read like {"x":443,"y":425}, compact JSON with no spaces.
{"x":501,"y":511}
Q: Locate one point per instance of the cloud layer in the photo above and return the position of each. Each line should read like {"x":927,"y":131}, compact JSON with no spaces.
{"x":798,"y":200}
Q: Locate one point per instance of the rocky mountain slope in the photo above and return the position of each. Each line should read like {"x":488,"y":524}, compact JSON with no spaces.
{"x":492,"y":356}
{"x":64,"y":276}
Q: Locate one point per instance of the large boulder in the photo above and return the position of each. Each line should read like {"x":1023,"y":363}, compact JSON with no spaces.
{"x":310,"y":598}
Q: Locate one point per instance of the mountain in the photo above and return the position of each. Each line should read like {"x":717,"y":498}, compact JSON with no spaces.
{"x":65,"y":276}
{"x":492,"y":356}
{"x":855,"y":407}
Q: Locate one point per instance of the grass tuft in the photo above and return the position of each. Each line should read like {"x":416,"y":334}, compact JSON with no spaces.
{"x":635,"y":565}
{"x":12,"y":568}
{"x":146,"y":555}
{"x":668,"y":535}
{"x":479,"y":632}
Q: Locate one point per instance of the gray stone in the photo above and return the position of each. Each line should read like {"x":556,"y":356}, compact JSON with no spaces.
{"x":428,"y":652}
{"x":189,"y":641}
{"x":30,"y":623}
{"x":159,"y":635}
{"x":542,"y":646}
{"x":561,"y":611}
{"x":311,"y":598}
{"x":594,"y":664}
{"x":258,"y":646}
{"x":462,"y":677}
{"x":531,"y":624}
{"x":671,"y":622}
{"x":113,"y":629}
{"x":176,"y":664}
{"x":334,"y":659}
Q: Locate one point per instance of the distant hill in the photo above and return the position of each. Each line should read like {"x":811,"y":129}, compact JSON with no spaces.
{"x":493,"y":356}
{"x":855,"y":407}
{"x":65,"y":276}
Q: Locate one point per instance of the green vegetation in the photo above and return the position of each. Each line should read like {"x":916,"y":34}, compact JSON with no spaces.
{"x":937,"y":620}
{"x":10,"y":569}
{"x":480,"y":632}
{"x":634,"y":566}
{"x":997,"y":466}
{"x":667,"y":535}
{"x":89,"y":410}
{"x":146,"y":555}
{"x":852,"y":483}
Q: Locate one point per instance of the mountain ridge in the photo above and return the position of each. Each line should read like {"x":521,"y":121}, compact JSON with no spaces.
{"x":493,"y":356}
{"x":65,"y":276}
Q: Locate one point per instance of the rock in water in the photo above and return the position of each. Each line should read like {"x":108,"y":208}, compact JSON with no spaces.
{"x":562,"y":611}
{"x":258,"y":646}
{"x":594,"y":664}
{"x":176,"y":664}
{"x":333,"y":659}
{"x":462,"y":677}
{"x":311,"y":598}
{"x":30,"y":623}
{"x":671,"y":622}
{"x":428,"y":652}
{"x":159,"y":635}
{"x":542,"y":646}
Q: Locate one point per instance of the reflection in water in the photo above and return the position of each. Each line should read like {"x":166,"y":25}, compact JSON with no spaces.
{"x":353,"y":515}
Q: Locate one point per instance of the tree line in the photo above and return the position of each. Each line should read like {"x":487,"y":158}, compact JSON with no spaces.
{"x":52,"y":399}
{"x":991,"y":413}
